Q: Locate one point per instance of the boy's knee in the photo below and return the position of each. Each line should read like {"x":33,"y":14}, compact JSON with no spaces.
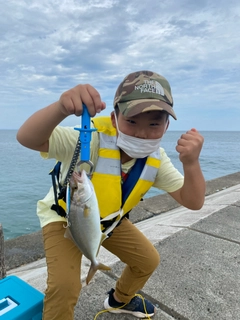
{"x":149,"y":264}
{"x":154,"y":260}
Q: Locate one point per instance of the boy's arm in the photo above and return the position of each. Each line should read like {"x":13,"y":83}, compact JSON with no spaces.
{"x":192,"y":193}
{"x":36,"y":130}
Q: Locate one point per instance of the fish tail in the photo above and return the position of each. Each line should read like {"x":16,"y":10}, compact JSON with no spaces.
{"x":93,"y":269}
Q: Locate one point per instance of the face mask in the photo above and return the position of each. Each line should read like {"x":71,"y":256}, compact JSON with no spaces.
{"x":136,"y":147}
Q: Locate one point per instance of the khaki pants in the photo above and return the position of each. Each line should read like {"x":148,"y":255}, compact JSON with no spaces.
{"x":64,"y":261}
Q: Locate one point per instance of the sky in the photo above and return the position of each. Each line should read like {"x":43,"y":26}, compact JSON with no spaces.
{"x":50,"y":46}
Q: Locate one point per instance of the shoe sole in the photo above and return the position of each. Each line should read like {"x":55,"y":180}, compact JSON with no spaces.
{"x":136,"y":314}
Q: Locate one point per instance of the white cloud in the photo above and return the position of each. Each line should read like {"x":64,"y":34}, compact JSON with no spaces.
{"x":51,"y":45}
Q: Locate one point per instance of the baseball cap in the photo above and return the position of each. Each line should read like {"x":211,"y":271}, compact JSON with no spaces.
{"x":144,"y":91}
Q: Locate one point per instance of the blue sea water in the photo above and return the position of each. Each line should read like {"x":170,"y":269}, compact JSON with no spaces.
{"x":24,"y":177}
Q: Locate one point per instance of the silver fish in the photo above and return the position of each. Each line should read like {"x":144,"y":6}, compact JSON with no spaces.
{"x":84,"y":221}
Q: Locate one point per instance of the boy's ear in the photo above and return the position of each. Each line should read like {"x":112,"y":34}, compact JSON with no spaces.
{"x":113,"y":119}
{"x":167,"y":125}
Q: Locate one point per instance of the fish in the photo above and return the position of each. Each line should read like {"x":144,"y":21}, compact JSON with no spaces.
{"x":83,"y":220}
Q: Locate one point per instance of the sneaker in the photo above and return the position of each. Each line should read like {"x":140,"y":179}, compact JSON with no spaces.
{"x":138,"y":306}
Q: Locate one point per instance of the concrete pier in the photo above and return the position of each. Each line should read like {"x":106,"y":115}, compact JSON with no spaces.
{"x":199,"y":274}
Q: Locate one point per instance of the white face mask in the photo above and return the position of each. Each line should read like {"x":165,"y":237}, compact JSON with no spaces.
{"x":136,"y":147}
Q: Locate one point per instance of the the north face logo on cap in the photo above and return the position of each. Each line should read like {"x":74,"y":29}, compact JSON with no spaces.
{"x":143,"y":91}
{"x":150,"y":86}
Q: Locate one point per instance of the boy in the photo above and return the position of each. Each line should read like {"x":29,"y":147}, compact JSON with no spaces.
{"x":129,"y":137}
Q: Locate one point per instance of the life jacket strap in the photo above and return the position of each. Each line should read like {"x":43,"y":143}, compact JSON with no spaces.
{"x":118,"y":215}
{"x":132,"y":178}
{"x":55,"y":173}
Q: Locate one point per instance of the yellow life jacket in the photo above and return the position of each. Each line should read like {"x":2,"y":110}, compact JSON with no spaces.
{"x":107,"y":175}
{"x":107,"y":180}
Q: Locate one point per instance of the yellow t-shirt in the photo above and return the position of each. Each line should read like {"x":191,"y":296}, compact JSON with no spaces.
{"x":62,"y":144}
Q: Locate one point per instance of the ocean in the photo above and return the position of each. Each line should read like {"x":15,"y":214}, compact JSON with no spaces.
{"x":25,"y":175}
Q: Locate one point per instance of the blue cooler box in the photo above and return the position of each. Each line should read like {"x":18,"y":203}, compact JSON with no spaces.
{"x":19,"y":301}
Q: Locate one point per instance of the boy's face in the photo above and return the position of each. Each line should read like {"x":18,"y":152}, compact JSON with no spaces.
{"x":146,"y":125}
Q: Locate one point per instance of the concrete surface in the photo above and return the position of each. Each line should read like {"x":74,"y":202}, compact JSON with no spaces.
{"x":199,"y":274}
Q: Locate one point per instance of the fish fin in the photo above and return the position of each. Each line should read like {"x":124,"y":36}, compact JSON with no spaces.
{"x":102,"y":266}
{"x":93,"y":269}
{"x":104,"y":236}
{"x":68,"y":235}
{"x":86,"y":211}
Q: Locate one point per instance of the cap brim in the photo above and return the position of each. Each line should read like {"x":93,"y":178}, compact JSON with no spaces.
{"x":134,"y":107}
